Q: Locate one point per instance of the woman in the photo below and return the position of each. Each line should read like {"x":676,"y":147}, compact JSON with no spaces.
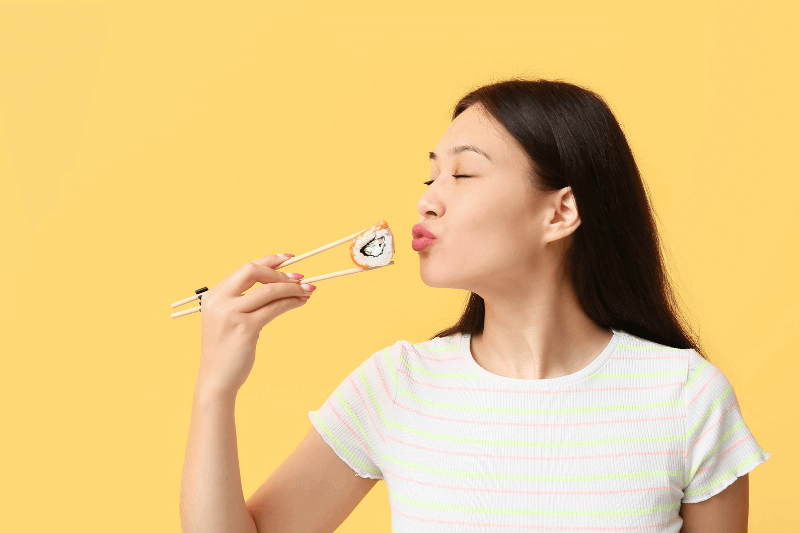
{"x":567,"y":396}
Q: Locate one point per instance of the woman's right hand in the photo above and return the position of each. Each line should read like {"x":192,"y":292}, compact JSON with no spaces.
{"x":231,"y":322}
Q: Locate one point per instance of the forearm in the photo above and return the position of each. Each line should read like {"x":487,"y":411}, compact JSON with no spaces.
{"x":211,"y":499}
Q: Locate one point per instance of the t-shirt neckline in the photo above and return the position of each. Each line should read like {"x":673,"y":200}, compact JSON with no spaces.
{"x":600,"y":360}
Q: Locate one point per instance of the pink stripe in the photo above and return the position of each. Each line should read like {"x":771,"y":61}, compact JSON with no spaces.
{"x":712,"y":426}
{"x":437,"y":359}
{"x":367,"y":410}
{"x":704,"y":388}
{"x":413,"y":349}
{"x":532,"y":492}
{"x":358,"y":438}
{"x":383,"y":381}
{"x":515,"y":391}
{"x":716,"y":460}
{"x":628,"y":358}
{"x":528,"y":457}
{"x":618,"y":358}
{"x":538,"y":424}
{"x":515,"y":526}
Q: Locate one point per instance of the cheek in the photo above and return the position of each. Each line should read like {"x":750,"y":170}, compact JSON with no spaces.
{"x":492,"y":228}
{"x":513,"y":226}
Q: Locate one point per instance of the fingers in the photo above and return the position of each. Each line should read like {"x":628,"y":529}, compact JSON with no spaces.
{"x":265,"y":294}
{"x":271,"y":261}
{"x":275,"y":308}
{"x":250,"y":273}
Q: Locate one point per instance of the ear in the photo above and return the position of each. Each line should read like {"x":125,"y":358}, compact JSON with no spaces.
{"x":565,"y":218}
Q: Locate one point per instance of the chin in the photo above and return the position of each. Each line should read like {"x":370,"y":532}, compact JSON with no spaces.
{"x":429,"y":278}
{"x":437,"y":279}
{"x":429,"y":281}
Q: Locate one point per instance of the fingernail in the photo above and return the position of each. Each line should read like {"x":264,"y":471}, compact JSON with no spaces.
{"x":305,"y":297}
{"x":295,"y":275}
{"x":308,"y":286}
{"x":286,"y":255}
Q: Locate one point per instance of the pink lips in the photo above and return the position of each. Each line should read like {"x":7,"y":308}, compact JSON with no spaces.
{"x":421,"y":237}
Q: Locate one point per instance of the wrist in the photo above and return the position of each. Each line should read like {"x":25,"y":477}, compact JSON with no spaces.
{"x":206,"y":391}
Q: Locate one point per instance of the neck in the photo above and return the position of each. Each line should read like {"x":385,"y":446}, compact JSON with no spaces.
{"x":542,"y":334}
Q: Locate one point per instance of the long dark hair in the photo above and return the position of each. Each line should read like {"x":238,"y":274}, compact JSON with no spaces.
{"x":615,"y":262}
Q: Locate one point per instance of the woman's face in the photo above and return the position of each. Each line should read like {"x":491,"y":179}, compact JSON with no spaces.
{"x":493,"y":228}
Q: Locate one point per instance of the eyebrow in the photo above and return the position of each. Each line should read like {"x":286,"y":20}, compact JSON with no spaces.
{"x":461,"y":148}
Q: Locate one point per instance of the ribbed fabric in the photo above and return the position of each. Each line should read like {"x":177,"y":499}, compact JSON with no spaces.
{"x":616,"y":446}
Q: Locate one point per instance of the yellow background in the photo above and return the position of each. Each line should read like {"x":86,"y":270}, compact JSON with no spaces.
{"x":151,"y":148}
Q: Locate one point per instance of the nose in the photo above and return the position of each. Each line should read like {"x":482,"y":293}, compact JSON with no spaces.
{"x":428,"y":206}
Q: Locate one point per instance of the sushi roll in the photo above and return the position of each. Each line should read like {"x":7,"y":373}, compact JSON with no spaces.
{"x":373,"y":247}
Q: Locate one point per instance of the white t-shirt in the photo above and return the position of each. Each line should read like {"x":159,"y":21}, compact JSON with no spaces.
{"x":620,"y":444}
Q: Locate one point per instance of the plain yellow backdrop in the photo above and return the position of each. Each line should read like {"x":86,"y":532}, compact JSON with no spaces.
{"x":151,"y":148}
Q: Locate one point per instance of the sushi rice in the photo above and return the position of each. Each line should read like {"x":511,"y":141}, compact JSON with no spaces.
{"x":373,"y":247}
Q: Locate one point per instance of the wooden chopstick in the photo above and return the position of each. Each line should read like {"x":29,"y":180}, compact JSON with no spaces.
{"x":309,"y":280}
{"x":186,"y":312}
{"x":189,"y":299}
{"x":343,"y":273}
{"x":290,"y":261}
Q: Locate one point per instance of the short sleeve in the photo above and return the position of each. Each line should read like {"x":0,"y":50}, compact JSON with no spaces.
{"x":354,"y":418}
{"x":719,"y":445}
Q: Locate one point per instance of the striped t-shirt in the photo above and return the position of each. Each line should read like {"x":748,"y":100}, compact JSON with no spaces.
{"x":616,"y":446}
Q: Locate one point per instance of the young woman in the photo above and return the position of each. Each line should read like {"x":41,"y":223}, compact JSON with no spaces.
{"x":569,"y":395}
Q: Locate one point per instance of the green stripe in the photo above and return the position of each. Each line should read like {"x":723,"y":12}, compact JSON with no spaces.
{"x":390,"y":365}
{"x":357,"y":422}
{"x":448,"y":375}
{"x":724,"y":437}
{"x":708,"y":412}
{"x":469,"y":474}
{"x":344,"y":451}
{"x":456,"y":347}
{"x":437,"y":348}
{"x":725,"y":476}
{"x":535,"y":411}
{"x":427,"y":372}
{"x":526,"y":443}
{"x":375,"y":404}
{"x":648,"y":348}
{"x":530,"y":512}
{"x":697,"y":372}
{"x":635,"y":375}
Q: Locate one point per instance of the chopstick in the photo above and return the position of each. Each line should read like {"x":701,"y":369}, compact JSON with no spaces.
{"x":199,"y":292}
{"x":318,"y":250}
{"x":344,"y":273}
{"x":309,"y":280}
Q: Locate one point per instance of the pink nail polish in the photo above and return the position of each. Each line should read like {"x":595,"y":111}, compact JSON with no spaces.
{"x":295,"y":275}
{"x":286,"y":255}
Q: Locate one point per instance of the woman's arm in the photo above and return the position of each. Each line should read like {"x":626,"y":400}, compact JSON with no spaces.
{"x":211,"y":490}
{"x":725,"y":512}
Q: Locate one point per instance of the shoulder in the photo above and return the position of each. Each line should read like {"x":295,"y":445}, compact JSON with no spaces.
{"x":436,"y":344}
{"x":697,"y":372}
{"x":706,"y":385}
{"x":719,"y":446}
{"x":429,"y":358}
{"x":406,"y":357}
{"x":436,"y":350}
{"x":645,"y":354}
{"x":697,"y":365}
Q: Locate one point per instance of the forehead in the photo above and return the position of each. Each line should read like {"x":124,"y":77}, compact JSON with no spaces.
{"x":475,"y":126}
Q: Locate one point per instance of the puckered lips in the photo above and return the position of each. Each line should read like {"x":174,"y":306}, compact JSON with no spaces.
{"x":422,"y":237}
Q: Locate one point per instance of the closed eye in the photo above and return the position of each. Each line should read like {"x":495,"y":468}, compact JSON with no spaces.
{"x":454,"y":175}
